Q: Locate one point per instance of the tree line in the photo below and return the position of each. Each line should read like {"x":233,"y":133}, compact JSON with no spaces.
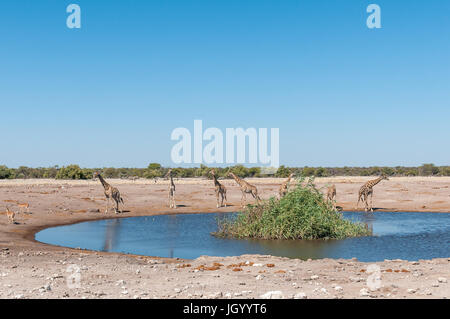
{"x":155,"y":170}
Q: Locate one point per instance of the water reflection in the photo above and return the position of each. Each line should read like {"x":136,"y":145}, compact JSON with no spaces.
{"x":409,"y":236}
{"x":111,"y":234}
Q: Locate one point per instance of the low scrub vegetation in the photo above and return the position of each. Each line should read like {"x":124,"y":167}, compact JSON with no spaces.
{"x":155,"y":170}
{"x":301,"y":214}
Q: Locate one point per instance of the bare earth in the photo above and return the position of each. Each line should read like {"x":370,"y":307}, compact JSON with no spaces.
{"x":29,"y":269}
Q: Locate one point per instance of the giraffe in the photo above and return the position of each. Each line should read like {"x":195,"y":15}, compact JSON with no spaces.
{"x":110,"y":192}
{"x":366,"y":190}
{"x":331,"y":195}
{"x":10,"y":215}
{"x":171,"y":190}
{"x":246,"y":188}
{"x":284,"y":187}
{"x":220,"y":190}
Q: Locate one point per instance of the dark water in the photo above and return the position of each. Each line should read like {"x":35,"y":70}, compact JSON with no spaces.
{"x":409,"y":236}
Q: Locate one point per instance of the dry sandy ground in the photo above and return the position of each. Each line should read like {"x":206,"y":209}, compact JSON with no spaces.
{"x":29,"y":269}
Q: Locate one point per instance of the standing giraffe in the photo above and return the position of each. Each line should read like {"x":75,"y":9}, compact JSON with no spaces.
{"x":246,"y":188}
{"x":331,"y":195}
{"x":171,"y":190}
{"x":367,"y":189}
{"x":110,"y":192}
{"x":220,"y":190}
{"x":284,"y":187}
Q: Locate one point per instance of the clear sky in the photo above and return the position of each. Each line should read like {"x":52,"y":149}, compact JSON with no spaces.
{"x":110,"y":93}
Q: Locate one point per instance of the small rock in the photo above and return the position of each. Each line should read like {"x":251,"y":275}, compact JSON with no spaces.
{"x":272,"y":295}
{"x":338,"y":288}
{"x":314,"y":277}
{"x":364,"y":292}
{"x":300,"y":295}
{"x":412,"y":291}
{"x":442,"y":280}
{"x":259,"y":277}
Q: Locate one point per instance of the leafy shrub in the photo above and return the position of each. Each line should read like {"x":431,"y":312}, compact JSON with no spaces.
{"x":6,"y":172}
{"x":428,"y":170}
{"x":71,"y":172}
{"x":302,"y":214}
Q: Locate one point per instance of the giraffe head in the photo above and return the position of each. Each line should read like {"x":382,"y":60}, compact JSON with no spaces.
{"x":169,"y":173}
{"x":291,"y":175}
{"x":384,"y":176}
{"x":95,"y":175}
{"x":212,"y":172}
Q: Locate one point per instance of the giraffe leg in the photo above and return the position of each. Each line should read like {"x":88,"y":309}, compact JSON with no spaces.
{"x":217,"y":197}
{"x":170,"y":200}
{"x":107,"y":204}
{"x":173,"y":199}
{"x":225,"y":195}
{"x":116,"y":209}
{"x":371,"y":202}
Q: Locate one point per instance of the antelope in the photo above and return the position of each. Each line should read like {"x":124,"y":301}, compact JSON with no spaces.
{"x":24,"y":206}
{"x":10,"y":215}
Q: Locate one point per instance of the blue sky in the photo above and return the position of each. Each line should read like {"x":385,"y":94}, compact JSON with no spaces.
{"x":110,"y":93}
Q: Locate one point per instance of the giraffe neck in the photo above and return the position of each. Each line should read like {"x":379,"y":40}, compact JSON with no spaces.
{"x":374,"y":182}
{"x":171,"y":180}
{"x":216,"y":182}
{"x":237,"y":179}
{"x":104,"y":183}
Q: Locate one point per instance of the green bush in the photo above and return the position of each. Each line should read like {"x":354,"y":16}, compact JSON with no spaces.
{"x":428,"y":170}
{"x":302,"y":214}
{"x":282,"y":172}
{"x":71,"y":172}
{"x":6,"y":172}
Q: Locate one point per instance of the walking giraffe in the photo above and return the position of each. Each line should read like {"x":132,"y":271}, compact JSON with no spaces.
{"x":220,"y":190}
{"x":246,"y":188}
{"x":285,"y":185}
{"x":171,"y":190}
{"x":367,"y":189}
{"x":331,"y":195}
{"x":110,"y":192}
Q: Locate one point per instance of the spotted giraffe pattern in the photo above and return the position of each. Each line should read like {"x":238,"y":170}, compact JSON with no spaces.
{"x":246,"y":188}
{"x":110,"y":193}
{"x":366,"y":190}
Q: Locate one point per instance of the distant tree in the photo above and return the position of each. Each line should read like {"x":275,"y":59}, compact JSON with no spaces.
{"x":282,"y":172}
{"x":71,"y":172}
{"x":308,"y":171}
{"x":445,"y":171}
{"x":155,"y":166}
{"x":6,"y":172}
{"x":428,"y":170}
{"x":320,"y":172}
